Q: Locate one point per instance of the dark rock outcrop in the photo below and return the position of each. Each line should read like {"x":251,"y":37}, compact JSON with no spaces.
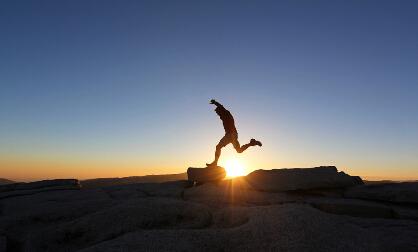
{"x":19,"y":189}
{"x":4,"y":181}
{"x":103,"y":182}
{"x":406,"y":192}
{"x":167,"y":189}
{"x":208,"y":174}
{"x":39,"y":184}
{"x":278,"y":180}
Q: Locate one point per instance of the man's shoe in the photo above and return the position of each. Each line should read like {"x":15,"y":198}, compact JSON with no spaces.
{"x":211,"y":164}
{"x":255,"y":142}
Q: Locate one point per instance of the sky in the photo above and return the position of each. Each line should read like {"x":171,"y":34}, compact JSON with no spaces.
{"x":122,"y":88}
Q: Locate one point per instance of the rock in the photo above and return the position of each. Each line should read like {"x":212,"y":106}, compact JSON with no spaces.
{"x":364,"y":208}
{"x":230,"y":217}
{"x":322,"y":177}
{"x":208,"y":174}
{"x":110,"y":222}
{"x":3,"y":244}
{"x":39,"y":185}
{"x":164,"y":240}
{"x":352,"y":207}
{"x":237,"y":192}
{"x":104,"y":182}
{"x":406,"y":192}
{"x":405,"y":212}
{"x":15,"y":193}
{"x":166,"y":189}
{"x":19,"y":189}
{"x":330,"y":192}
{"x":21,"y":214}
{"x":287,"y":227}
{"x":158,"y":218}
{"x":231,"y":191}
{"x":4,"y":181}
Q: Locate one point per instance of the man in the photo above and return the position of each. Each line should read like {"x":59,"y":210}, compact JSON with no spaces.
{"x":231,"y":134}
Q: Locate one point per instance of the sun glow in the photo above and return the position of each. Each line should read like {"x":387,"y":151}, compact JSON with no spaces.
{"x":234,"y":168}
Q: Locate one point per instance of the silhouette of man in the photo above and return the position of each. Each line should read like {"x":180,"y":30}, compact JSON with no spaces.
{"x":231,"y":134}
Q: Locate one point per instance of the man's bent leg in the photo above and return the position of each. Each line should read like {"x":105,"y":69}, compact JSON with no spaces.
{"x":241,"y":149}
{"x":222,"y":143}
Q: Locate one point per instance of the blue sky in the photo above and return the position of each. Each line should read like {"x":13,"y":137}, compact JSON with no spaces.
{"x":128,"y":82}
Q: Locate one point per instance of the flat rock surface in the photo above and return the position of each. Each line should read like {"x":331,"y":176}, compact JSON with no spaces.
{"x":125,"y":217}
{"x":406,"y":192}
{"x":288,"y":227}
{"x":3,"y":244}
{"x":278,"y":180}
{"x":352,"y":207}
{"x":226,"y":215}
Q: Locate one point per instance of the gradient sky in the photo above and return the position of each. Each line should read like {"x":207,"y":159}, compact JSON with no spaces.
{"x":120,"y":88}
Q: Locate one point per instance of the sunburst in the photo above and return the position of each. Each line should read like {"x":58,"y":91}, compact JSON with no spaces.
{"x":234,"y":168}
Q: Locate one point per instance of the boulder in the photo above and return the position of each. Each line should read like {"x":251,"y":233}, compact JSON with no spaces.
{"x":406,"y":192}
{"x":322,"y":177}
{"x":208,"y":174}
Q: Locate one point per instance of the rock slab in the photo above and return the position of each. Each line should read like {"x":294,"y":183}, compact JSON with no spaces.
{"x":322,"y":177}
{"x":406,"y":192}
{"x":208,"y":174}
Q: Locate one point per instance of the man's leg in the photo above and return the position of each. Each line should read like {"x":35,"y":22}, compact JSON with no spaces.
{"x":241,"y":149}
{"x":222,"y":143}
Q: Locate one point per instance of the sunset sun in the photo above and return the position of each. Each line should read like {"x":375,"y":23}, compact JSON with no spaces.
{"x":234,"y":168}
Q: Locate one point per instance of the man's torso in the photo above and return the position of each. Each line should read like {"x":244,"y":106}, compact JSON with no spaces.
{"x":227,"y":119}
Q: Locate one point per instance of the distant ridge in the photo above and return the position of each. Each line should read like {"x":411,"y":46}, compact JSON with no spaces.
{"x":4,"y":181}
{"x":102,"y":182}
{"x":386,"y":181}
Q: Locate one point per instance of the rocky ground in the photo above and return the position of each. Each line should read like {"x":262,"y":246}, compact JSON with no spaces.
{"x":317,"y":209}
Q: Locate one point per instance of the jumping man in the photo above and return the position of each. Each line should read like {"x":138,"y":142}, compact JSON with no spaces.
{"x":231,"y":134}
